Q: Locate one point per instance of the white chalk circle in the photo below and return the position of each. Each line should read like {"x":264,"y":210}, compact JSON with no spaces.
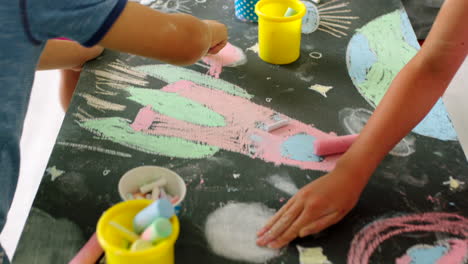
{"x":231,"y":232}
{"x":315,"y":55}
{"x":133,"y":179}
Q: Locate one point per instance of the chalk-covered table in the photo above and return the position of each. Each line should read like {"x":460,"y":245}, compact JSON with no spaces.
{"x":206,"y":123}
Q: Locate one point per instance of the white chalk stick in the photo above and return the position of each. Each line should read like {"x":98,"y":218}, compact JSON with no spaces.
{"x":149,"y":187}
{"x":124,"y":232}
{"x":276,"y":125}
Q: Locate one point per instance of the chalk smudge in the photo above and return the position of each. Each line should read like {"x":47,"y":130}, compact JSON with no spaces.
{"x":283,"y":183}
{"x":321,"y":89}
{"x":94,"y":148}
{"x":229,"y":56}
{"x":40,"y":245}
{"x":375,"y":55}
{"x":231,"y":232}
{"x":354,"y":120}
{"x":236,"y":175}
{"x":312,"y":255}
{"x":54,"y":172}
{"x":101,"y":104}
{"x":445,"y":251}
{"x":254,"y":48}
{"x":453,"y":183}
{"x":372,"y":236}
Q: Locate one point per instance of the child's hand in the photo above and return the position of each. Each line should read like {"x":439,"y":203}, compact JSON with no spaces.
{"x":219,"y":36}
{"x":316,"y":206}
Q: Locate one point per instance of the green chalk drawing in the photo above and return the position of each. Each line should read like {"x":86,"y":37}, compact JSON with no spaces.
{"x":119,"y":131}
{"x":171,"y":74}
{"x":176,"y":106}
{"x":387,"y":41}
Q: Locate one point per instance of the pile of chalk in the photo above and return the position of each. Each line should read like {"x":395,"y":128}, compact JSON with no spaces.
{"x":153,"y":191}
{"x":151,"y":226}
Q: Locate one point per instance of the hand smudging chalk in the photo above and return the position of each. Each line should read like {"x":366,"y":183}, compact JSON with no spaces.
{"x":231,"y":232}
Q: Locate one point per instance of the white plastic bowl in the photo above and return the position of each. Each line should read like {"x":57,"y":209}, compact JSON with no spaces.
{"x":133,"y":179}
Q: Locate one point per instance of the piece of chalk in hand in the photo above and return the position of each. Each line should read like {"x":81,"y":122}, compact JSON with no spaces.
{"x":158,"y":230}
{"x":290,"y":12}
{"x":335,"y":145}
{"x":124,"y":232}
{"x":156,"y":192}
{"x":149,"y":187}
{"x":159,"y":208}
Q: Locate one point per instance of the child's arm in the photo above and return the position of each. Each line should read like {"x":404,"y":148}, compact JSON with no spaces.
{"x":173,"y":38}
{"x":411,"y":96}
{"x":64,"y":54}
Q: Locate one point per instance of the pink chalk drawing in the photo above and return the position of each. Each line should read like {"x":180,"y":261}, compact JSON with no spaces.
{"x":229,"y":56}
{"x":452,"y":251}
{"x":244,"y":130}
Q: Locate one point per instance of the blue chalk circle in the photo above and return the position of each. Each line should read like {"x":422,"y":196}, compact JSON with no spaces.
{"x":300,"y":147}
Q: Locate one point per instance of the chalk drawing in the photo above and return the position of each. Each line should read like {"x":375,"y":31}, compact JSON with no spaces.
{"x":312,"y":255}
{"x":254,"y":48}
{"x":372,"y":236}
{"x":94,"y":148}
{"x":172,"y":6}
{"x":231,"y":232}
{"x":444,"y":251}
{"x":375,"y":55}
{"x":229,"y":56}
{"x":354,"y":120}
{"x":236,"y":175}
{"x":119,"y":130}
{"x":54,"y":172}
{"x":283,"y":183}
{"x":453,"y":183}
{"x":172,"y":74}
{"x":106,"y":172}
{"x":101,"y":104}
{"x":321,"y":89}
{"x":329,"y":17}
{"x":268,"y":99}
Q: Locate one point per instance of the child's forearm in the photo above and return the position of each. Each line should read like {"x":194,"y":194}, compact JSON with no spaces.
{"x":413,"y":92}
{"x":174,"y":38}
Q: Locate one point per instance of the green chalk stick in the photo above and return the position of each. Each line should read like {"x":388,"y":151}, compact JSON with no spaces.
{"x":290,"y":12}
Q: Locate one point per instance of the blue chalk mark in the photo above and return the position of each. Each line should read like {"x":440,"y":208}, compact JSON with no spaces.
{"x":360,"y":57}
{"x":426,"y":255}
{"x":437,"y":124}
{"x":299,"y":147}
{"x":310,"y":21}
{"x":256,"y":138}
{"x":408,"y":32}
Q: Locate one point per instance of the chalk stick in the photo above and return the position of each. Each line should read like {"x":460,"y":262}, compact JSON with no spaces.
{"x":90,"y":253}
{"x":159,"y":208}
{"x":290,"y":12}
{"x":160,"y":229}
{"x":276,"y":125}
{"x":140,"y":245}
{"x":336,"y":145}
{"x":124,"y":232}
{"x":155,"y":193}
{"x":149,"y":187}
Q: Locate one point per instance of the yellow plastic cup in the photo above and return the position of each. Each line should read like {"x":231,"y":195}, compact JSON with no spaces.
{"x":279,"y":36}
{"x":114,"y":244}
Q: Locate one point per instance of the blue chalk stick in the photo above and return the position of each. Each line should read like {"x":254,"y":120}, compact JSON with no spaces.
{"x":290,"y":12}
{"x":159,"y":208}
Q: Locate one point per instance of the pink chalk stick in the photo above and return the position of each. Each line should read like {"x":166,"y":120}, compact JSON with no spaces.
{"x":336,"y":145}
{"x":90,"y":252}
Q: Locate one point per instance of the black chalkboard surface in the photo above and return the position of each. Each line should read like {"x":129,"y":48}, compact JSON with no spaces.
{"x":95,"y":148}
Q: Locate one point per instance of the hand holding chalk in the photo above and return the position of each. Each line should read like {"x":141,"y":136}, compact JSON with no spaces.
{"x":336,"y":145}
{"x":159,"y":208}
